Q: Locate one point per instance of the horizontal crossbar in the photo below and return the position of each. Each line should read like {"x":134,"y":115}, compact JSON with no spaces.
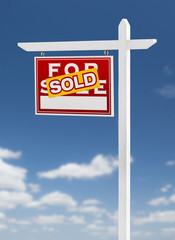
{"x":84,"y":45}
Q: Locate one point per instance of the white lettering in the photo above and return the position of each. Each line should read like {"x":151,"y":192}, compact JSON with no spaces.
{"x":77,"y":85}
{"x":71,"y":65}
{"x":83,"y":92}
{"x":55,"y":87}
{"x":97,"y":91}
{"x":89,"y":79}
{"x":43,"y":85}
{"x":70,"y":83}
{"x":88,"y":65}
{"x":52,"y":69}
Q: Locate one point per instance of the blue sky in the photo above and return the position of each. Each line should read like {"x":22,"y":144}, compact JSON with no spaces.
{"x":32,"y":207}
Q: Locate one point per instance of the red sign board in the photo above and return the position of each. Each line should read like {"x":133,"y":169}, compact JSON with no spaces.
{"x":93,"y":102}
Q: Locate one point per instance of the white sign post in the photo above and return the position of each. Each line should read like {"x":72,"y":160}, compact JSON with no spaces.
{"x":124,"y":44}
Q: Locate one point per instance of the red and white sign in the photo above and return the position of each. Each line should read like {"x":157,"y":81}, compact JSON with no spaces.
{"x":94,"y":102}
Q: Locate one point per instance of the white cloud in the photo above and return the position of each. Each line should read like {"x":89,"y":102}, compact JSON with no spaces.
{"x":148,"y":234}
{"x":159,"y":201}
{"x":2,"y":215}
{"x":77,"y":219}
{"x":162,"y":201}
{"x":168,"y":70}
{"x":91,"y":202}
{"x":168,"y":231}
{"x":19,"y":222}
{"x":53,"y":219}
{"x":59,"y":219}
{"x":170,"y":163}
{"x":94,"y":233}
{"x":33,"y":204}
{"x":98,"y":221}
{"x":3,"y":227}
{"x":90,"y":210}
{"x":12,"y":177}
{"x":156,"y":217}
{"x":172,"y":198}
{"x":112,"y":230}
{"x":8,"y":154}
{"x":95,"y":227}
{"x":55,"y":199}
{"x":166,"y":188}
{"x":14,"y":230}
{"x":34,"y":187}
{"x":49,"y":229}
{"x":141,"y":234}
{"x":58,"y":199}
{"x":167,"y":91}
{"x":10,"y":200}
{"x":99,"y":166}
{"x":99,"y":229}
{"x":113,"y":216}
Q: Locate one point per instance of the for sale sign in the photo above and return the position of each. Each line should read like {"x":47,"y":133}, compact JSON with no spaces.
{"x":74,"y":86}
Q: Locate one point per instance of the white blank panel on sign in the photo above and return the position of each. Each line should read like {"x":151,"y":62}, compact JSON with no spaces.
{"x":71,"y":103}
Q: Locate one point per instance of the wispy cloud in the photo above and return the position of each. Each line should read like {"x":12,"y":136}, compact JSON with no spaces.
{"x":54,"y":199}
{"x":59,"y":219}
{"x":58,"y":199}
{"x":3,"y":227}
{"x":10,"y":200}
{"x":167,"y":91}
{"x":168,"y":70}
{"x":34,"y":187}
{"x":49,"y":229}
{"x":12,"y":177}
{"x":91,"y":202}
{"x":95,"y":227}
{"x":2,"y":215}
{"x":8,"y":154}
{"x":112,"y":230}
{"x":52,"y":219}
{"x":170,"y":163}
{"x":99,"y":166}
{"x":159,"y":201}
{"x":155,"y":217}
{"x":13,"y":230}
{"x":162,"y":201}
{"x":113,"y":216}
{"x":168,"y":231}
{"x":101,"y":229}
{"x":166,"y":188}
{"x":96,"y":211}
{"x":76,"y":219}
{"x":19,"y":222}
{"x":141,"y":234}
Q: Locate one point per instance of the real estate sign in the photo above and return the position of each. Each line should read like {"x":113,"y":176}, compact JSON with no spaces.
{"x":74,"y":86}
